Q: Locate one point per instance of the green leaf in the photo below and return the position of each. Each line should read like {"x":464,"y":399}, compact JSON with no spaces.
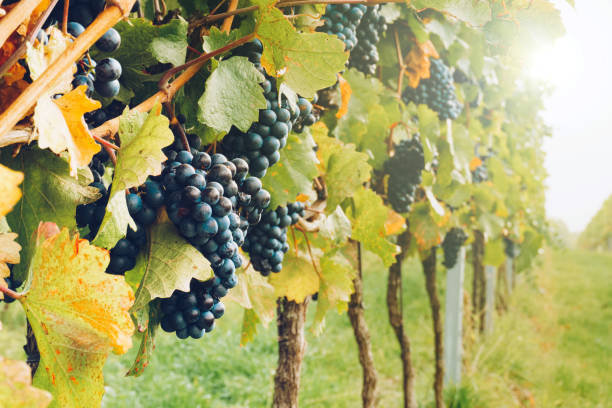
{"x":336,"y":287}
{"x":307,"y":61}
{"x":148,"y":322}
{"x":473,"y":12}
{"x":169,"y":263}
{"x":344,"y":168}
{"x":144,"y":45}
{"x":78,"y":315}
{"x":249,"y":326}
{"x":498,"y":175}
{"x":368,"y":219}
{"x":297,"y":280}
{"x":142,"y":137}
{"x":49,"y":194}
{"x":294,"y":172}
{"x":232,"y":96}
{"x":423,"y":226}
{"x":494,"y":252}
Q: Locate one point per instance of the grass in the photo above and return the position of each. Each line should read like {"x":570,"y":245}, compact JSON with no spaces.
{"x":553,"y":348}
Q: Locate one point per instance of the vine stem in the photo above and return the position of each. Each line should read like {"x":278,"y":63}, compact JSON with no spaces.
{"x":10,"y":293}
{"x":177,"y":125}
{"x":211,"y":18}
{"x":65,"y":17}
{"x":15,"y":17}
{"x":227,"y":23}
{"x":105,"y":143}
{"x":29,"y":39}
{"x":22,"y":105}
{"x":402,"y":65}
{"x":110,"y":127}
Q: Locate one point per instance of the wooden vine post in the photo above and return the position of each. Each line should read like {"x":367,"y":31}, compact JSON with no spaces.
{"x":291,"y":317}
{"x":429,"y":269}
{"x":490,"y":280}
{"x":396,"y":318}
{"x":362,"y":336}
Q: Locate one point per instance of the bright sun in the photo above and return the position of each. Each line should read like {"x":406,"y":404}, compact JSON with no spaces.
{"x":557,"y":63}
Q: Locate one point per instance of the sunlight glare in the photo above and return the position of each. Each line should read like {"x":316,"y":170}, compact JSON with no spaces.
{"x":557,"y":64}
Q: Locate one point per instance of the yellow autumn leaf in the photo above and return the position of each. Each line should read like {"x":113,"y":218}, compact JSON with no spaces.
{"x":345,"y":93}
{"x":9,"y":189}
{"x":60,"y":126}
{"x":417,"y":61}
{"x":475,"y":163}
{"x":9,"y":252}
{"x":78,"y":314}
{"x":40,"y":56}
{"x":395,"y":223}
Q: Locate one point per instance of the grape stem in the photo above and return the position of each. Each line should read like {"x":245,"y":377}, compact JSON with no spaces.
{"x":105,"y":143}
{"x":19,"y":52}
{"x":28,"y":98}
{"x":402,"y":65}
{"x":15,"y":17}
{"x":10,"y":293}
{"x":314,"y":264}
{"x":177,"y":125}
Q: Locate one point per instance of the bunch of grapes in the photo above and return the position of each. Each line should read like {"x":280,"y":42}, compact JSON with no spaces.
{"x":266,"y":243}
{"x":102,"y":77}
{"x":364,"y":56}
{"x":480,"y":174}
{"x":142,"y":206}
{"x":260,"y":145}
{"x":404,"y":170}
{"x":437,"y":91}
{"x":99,"y":116}
{"x":193,"y":313}
{"x":342,"y":20}
{"x":453,"y":240}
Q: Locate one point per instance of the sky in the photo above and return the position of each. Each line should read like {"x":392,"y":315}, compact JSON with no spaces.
{"x":579,"y":155}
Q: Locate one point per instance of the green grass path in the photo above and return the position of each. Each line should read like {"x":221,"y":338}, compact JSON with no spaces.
{"x":552,"y":349}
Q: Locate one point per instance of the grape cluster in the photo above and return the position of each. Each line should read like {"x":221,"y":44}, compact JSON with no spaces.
{"x":364,"y":56}
{"x":453,"y":240}
{"x":404,"y":170}
{"x":480,"y":174}
{"x":260,"y":145}
{"x":342,"y":20}
{"x":193,"y":313}
{"x":142,"y":206}
{"x":202,"y":198}
{"x":99,"y":116}
{"x":102,"y":77}
{"x":266,"y":242}
{"x":437,"y":91}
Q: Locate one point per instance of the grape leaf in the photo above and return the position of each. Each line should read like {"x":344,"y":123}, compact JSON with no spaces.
{"x":297,"y":280}
{"x":60,"y":126}
{"x":494,"y":253}
{"x":336,"y":287}
{"x":16,"y":386}
{"x":307,"y":61}
{"x":344,"y":168}
{"x":9,"y":189}
{"x":49,"y":194}
{"x":148,"y":322}
{"x":169,"y":263}
{"x":232,"y":96}
{"x":9,"y":253}
{"x":142,"y":137}
{"x":249,"y":327}
{"x":368,"y":218}
{"x":144,"y":45}
{"x":40,"y":56}
{"x":425,"y":226}
{"x":78,"y":315}
{"x":476,"y":13}
{"x":294,"y":172}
